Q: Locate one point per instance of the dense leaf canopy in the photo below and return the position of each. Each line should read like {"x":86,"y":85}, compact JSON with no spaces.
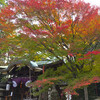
{"x":68,"y":30}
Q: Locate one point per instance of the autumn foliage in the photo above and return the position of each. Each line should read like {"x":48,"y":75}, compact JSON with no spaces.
{"x":80,"y":84}
{"x":68,"y":30}
{"x":49,"y":81}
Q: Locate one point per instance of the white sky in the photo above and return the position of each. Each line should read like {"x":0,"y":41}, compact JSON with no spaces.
{"x":93,"y":2}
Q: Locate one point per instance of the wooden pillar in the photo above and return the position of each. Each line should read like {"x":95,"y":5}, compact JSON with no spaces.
{"x":5,"y":97}
{"x":9,"y":97}
{"x":44,"y":96}
{"x":21,"y":96}
{"x":86,"y":93}
{"x":40,"y":97}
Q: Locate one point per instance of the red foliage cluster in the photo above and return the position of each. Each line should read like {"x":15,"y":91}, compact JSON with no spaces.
{"x":7,"y":12}
{"x":86,"y":82}
{"x":82,"y":83}
{"x":35,"y":33}
{"x":28,"y":7}
{"x":96,"y":52}
{"x":84,"y":58}
{"x":71,"y":55}
{"x":41,"y":4}
{"x":93,"y":52}
{"x":42,"y":82}
{"x":69,"y":90}
{"x":62,"y":28}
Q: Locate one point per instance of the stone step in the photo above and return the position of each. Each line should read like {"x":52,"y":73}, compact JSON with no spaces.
{"x":1,"y":94}
{"x":98,"y":98}
{"x":2,"y":89}
{"x":2,"y":85}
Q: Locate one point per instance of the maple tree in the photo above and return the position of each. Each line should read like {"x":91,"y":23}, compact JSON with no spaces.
{"x":2,"y":35}
{"x":65,"y":29}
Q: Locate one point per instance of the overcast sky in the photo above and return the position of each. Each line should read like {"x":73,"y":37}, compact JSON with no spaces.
{"x":93,"y":2}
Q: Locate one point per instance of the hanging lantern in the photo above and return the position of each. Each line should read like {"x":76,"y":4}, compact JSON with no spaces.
{"x":26,"y":84}
{"x":14,"y":83}
{"x":11,"y":94}
{"x":7,"y":87}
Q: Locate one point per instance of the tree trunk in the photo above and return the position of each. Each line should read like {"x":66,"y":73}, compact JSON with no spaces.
{"x":60,"y":92}
{"x":86,"y":93}
{"x":44,"y":96}
{"x":40,"y":96}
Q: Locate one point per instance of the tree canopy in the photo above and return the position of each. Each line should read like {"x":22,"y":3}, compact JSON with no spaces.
{"x":68,"y":30}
